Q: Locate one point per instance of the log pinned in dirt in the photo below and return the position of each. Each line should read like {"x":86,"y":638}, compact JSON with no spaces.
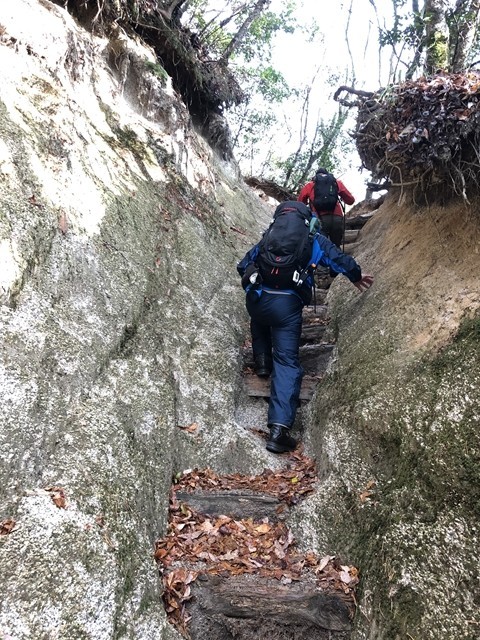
{"x":250,"y":607}
{"x":260,"y":387}
{"x":236,"y":504}
{"x":270,"y":189}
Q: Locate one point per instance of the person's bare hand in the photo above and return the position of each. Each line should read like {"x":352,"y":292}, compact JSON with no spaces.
{"x":365,"y":283}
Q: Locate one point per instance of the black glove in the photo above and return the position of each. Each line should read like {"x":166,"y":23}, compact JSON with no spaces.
{"x":249,"y":271}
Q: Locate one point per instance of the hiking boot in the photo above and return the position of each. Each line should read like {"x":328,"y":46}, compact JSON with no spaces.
{"x":263,"y":365}
{"x":280,"y":439}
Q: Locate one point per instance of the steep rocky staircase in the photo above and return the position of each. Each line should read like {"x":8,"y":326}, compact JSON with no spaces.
{"x":230,"y":566}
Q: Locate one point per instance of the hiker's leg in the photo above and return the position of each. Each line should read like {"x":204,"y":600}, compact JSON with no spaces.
{"x":287,"y":373}
{"x":326,"y":224}
{"x":335,"y":226}
{"x":261,"y":338}
{"x":336,"y":230}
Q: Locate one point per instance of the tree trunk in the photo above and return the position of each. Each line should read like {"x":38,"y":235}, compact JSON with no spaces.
{"x":174,"y":9}
{"x":436,"y":37}
{"x":260,"y":6}
{"x":418,"y":26}
{"x":465,"y":19}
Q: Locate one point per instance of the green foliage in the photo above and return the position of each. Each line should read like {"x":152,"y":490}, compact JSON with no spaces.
{"x":251,"y":131}
{"x":402,"y":31}
{"x":417,"y":43}
{"x":272,"y":85}
{"x":257,"y":42}
{"x":218,"y":23}
{"x":266,"y":82}
{"x":249,"y":122}
{"x":273,"y":114}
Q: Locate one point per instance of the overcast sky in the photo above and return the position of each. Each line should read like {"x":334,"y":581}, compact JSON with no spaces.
{"x":335,"y":20}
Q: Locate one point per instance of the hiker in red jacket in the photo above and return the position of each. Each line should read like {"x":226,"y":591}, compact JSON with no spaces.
{"x":322,"y":196}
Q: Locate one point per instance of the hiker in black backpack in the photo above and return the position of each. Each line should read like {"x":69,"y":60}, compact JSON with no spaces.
{"x":277,"y":275}
{"x":324,"y":195}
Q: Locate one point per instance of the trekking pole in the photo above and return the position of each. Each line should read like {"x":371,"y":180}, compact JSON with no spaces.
{"x":343,"y":210}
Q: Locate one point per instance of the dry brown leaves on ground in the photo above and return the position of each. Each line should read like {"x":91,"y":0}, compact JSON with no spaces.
{"x":290,"y":484}
{"x":228,"y":547}
{"x":221,"y":545}
{"x":7,"y":526}
{"x":58,"y":496}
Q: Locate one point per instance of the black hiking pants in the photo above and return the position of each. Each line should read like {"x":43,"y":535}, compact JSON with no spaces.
{"x":331,"y":226}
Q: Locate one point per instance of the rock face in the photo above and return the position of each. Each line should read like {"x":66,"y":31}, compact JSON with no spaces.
{"x":122,"y":321}
{"x":395,"y":427}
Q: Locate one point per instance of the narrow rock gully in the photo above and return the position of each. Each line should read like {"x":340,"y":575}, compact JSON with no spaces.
{"x":230,"y":566}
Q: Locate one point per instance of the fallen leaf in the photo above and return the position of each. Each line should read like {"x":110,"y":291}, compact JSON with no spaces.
{"x":62,"y":222}
{"x":191,"y":428}
{"x":263,"y":528}
{"x":32,"y":200}
{"x":345,"y":577}
{"x":365,"y":495}
{"x":7,"y":526}
{"x":58,"y":496}
{"x":324,"y":561}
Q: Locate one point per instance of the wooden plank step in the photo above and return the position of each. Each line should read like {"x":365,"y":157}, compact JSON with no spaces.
{"x":250,"y":606}
{"x":260,"y":387}
{"x":314,"y":358}
{"x":351,"y":235}
{"x":312,"y":333}
{"x":236,"y":504}
{"x":316,"y":314}
{"x":357,"y":222}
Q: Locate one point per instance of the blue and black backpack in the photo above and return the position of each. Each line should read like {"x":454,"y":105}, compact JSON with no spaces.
{"x":286,"y":247}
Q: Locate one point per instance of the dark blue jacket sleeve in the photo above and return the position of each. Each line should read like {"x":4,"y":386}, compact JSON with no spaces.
{"x":248,"y":258}
{"x":329,"y":255}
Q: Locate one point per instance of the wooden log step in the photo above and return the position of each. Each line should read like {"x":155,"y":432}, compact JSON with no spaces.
{"x":351,"y":235}
{"x":249,"y":606}
{"x":313,"y":315}
{"x":312,"y":334}
{"x":357,"y":222}
{"x":236,"y":504}
{"x":314,"y":358}
{"x":260,"y":387}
